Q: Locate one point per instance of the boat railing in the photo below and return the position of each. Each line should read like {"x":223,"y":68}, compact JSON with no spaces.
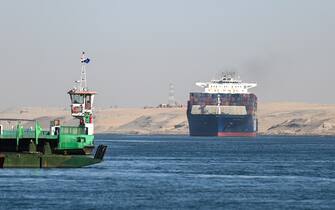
{"x":28,"y":134}
{"x":9,"y":133}
{"x":25,"y":134}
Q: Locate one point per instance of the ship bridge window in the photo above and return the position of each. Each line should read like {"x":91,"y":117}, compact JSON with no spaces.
{"x":77,"y":99}
{"x":88,"y":104}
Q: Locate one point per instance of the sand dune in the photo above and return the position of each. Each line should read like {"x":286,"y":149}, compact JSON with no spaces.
{"x":274,"y":119}
{"x":296,"y":119}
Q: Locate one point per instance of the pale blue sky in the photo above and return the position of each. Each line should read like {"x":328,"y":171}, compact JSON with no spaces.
{"x":138,"y":47}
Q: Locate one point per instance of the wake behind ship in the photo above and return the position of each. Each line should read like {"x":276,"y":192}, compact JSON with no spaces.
{"x":224,"y":108}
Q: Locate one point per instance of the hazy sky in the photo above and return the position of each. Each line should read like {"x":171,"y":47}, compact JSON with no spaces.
{"x":138,"y":47}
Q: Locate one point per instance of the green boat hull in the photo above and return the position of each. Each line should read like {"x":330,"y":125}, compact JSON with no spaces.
{"x":40,"y":160}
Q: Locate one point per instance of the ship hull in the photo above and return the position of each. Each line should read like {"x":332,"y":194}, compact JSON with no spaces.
{"x":222,"y":125}
{"x":41,"y":160}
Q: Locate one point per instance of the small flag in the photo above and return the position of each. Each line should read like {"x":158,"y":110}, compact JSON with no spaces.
{"x":87,"y":60}
{"x":83,"y":59}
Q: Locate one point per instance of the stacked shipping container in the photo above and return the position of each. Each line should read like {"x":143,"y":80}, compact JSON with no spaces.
{"x":248,"y":100}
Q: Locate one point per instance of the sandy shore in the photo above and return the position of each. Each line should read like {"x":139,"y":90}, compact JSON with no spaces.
{"x":274,"y":119}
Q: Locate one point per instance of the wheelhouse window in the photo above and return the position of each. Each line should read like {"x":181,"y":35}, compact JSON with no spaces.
{"x":77,"y":99}
{"x":88,"y":103}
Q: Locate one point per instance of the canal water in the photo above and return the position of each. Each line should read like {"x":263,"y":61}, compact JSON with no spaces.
{"x":181,"y":172}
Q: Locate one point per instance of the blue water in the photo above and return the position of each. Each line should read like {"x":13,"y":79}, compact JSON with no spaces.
{"x":180,"y":172}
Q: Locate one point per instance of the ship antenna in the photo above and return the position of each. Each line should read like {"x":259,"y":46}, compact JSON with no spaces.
{"x":83,"y":80}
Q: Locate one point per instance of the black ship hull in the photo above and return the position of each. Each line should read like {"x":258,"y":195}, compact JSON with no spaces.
{"x":222,"y":125}
{"x":235,"y":116}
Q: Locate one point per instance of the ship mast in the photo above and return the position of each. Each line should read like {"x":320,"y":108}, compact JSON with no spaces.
{"x":218,"y":111}
{"x":83,"y":80}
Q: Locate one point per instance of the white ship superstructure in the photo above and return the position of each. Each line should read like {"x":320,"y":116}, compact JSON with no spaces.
{"x":227,"y":84}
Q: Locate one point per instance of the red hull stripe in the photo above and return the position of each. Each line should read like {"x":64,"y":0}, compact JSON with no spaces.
{"x":241,"y":134}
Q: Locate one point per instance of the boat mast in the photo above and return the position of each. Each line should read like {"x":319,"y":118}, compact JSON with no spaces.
{"x":83,"y":80}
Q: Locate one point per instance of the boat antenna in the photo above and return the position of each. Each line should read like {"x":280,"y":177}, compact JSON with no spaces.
{"x":83,"y":80}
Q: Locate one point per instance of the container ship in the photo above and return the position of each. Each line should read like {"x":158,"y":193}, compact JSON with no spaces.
{"x":224,"y":108}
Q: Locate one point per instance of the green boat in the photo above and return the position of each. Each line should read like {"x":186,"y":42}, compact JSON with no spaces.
{"x":27,"y":145}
